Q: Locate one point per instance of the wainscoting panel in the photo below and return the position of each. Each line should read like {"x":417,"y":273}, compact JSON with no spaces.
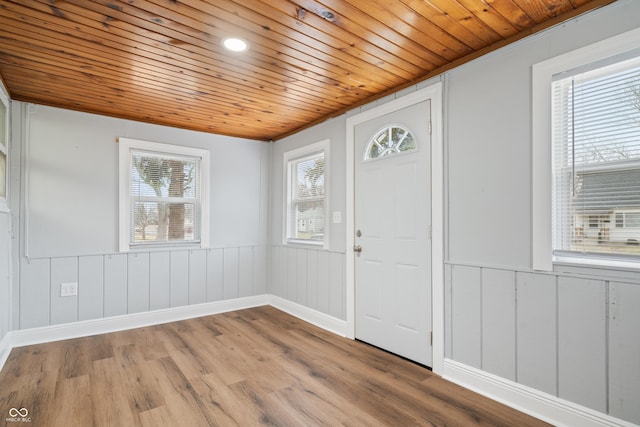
{"x":448,"y":330}
{"x":138,"y":273}
{"x":337,"y":295}
{"x":582,"y":345}
{"x":118,"y":284}
{"x":115,"y":285}
{"x":6,"y":303}
{"x":63,"y":309}
{"x":34,"y":293}
{"x":499,"y":322}
{"x":313,"y":278}
{"x":230,"y":275}
{"x":197,"y":277}
{"x":624,"y":351}
{"x":245,"y":275}
{"x":179,"y":278}
{"x":568,"y":335}
{"x":160,"y":280}
{"x":215,"y":275}
{"x":324,"y":282}
{"x":91,"y":295}
{"x":301,"y":276}
{"x":260,"y":270}
{"x":466,"y":315}
{"x":537,"y":331}
{"x":291,"y":274}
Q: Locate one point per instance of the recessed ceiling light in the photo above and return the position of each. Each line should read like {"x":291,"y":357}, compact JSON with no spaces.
{"x":235,"y":44}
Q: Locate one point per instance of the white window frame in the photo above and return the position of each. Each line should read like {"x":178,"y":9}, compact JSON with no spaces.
{"x":124,"y":147}
{"x":542,"y":185}
{"x":4,"y":148}
{"x":289,"y":157}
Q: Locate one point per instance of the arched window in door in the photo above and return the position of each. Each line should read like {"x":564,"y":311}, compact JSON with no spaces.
{"x":388,"y":141}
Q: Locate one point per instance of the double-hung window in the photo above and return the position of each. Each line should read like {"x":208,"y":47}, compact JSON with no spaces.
{"x":163,"y":195}
{"x":306,"y":194}
{"x":4,"y":145}
{"x":594,"y":153}
{"x":596,"y":160}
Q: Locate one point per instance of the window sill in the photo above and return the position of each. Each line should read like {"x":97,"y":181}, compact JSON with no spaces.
{"x":596,"y":263}
{"x":308,"y":244}
{"x":161,"y":248}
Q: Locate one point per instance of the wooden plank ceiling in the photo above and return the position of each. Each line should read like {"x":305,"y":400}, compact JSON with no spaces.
{"x":161,"y":61}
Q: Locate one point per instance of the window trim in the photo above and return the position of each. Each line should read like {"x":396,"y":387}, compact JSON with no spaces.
{"x":4,"y":148}
{"x":542,"y":185}
{"x":124,"y":208}
{"x":297,"y":154}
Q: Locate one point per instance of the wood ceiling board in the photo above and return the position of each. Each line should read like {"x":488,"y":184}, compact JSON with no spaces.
{"x":161,"y":61}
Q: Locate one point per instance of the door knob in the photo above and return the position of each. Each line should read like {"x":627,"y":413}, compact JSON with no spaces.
{"x":357,"y":249}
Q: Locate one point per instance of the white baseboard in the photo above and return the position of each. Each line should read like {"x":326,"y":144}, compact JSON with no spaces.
{"x":129,"y":321}
{"x":541,"y":405}
{"x":322,"y":320}
{"x":138,"y":320}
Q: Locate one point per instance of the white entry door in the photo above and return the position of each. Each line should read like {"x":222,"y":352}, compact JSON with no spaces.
{"x":392,"y":225}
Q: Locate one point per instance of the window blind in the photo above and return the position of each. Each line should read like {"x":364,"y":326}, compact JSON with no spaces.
{"x":596,"y":161}
{"x":306,"y":207}
{"x":164,"y":194}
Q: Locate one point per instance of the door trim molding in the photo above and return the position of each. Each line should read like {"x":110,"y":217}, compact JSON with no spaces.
{"x":434,"y":94}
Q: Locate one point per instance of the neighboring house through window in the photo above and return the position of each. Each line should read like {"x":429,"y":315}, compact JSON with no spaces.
{"x":593,"y":147}
{"x":163,"y":195}
{"x":306,"y":194}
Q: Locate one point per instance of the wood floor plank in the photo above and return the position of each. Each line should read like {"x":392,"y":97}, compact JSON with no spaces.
{"x":258,"y":366}
{"x":109,"y":402}
{"x":71,"y":396}
{"x":158,"y":417}
{"x":222,"y":402}
{"x":139,"y":382}
{"x":182,"y":401}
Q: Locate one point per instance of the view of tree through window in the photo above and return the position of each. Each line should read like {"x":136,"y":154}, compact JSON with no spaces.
{"x":596,"y":134}
{"x":306,"y":216}
{"x":164,"y":198}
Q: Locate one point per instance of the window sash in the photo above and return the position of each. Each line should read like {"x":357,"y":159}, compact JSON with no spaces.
{"x":299,"y":229}
{"x":596,"y":160}
{"x":165,"y":230}
{"x":161,"y":206}
{"x":4,"y":143}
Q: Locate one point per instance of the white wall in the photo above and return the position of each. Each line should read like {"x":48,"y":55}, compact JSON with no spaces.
{"x":489,"y":139}
{"x":566,"y":333}
{"x":68,"y":224}
{"x":312,"y":277}
{"x":71,"y":178}
{"x":334,"y":130}
{"x":571,"y":334}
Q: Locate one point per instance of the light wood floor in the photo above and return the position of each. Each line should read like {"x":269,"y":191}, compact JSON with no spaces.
{"x":251,"y":367}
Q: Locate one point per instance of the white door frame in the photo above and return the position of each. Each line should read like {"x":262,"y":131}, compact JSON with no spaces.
{"x":434,"y":94}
